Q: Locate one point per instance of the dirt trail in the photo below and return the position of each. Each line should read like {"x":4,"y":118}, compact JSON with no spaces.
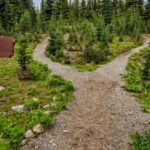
{"x":101,"y":117}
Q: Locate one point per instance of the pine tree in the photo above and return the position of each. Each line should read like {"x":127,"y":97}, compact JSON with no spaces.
{"x":49,"y":9}
{"x":83,"y":8}
{"x":23,"y":57}
{"x":41,"y":16}
{"x":76,"y":8}
{"x":107,"y":10}
{"x":147,"y":10}
{"x":64,"y":8}
{"x":115,"y":6}
{"x":25,"y":22}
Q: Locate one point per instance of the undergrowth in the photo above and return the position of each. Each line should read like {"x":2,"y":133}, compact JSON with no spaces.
{"x":44,"y":88}
{"x":138,"y":81}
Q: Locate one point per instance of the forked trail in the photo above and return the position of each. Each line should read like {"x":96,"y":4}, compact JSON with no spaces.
{"x":103,"y":114}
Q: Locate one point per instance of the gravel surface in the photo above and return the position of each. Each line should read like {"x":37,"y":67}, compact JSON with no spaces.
{"x":101,"y":117}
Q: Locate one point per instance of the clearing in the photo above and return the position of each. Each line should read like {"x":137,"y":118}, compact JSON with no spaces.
{"x":102,"y":116}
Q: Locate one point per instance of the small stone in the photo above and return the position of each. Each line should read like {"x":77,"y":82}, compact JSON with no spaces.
{"x":29,"y":134}
{"x":36,"y":147}
{"x":24,"y":142}
{"x":53,"y":104}
{"x":47,"y":106}
{"x":19,"y":108}
{"x":2,"y":88}
{"x":35,"y":99}
{"x":54,"y":98}
{"x":47,"y":113}
{"x":66,"y":131}
{"x":38,"y":129}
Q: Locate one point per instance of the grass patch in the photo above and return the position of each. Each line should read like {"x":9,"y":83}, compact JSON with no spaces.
{"x":135,"y":81}
{"x":34,"y":93}
{"x":138,"y":81}
{"x":116,"y":47}
{"x":141,"y":142}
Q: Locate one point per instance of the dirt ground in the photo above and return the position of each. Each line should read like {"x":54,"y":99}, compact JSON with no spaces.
{"x":103,"y":114}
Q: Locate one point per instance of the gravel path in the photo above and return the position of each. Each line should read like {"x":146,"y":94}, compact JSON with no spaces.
{"x":101,"y":117}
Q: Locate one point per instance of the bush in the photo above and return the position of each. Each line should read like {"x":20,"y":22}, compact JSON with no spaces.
{"x":56,"y":42}
{"x":32,"y":104}
{"x":136,"y":79}
{"x":38,"y":70}
{"x":38,"y":116}
{"x":95,"y":54}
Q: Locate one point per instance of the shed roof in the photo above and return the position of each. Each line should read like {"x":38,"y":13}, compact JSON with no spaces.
{"x":6,"y":46}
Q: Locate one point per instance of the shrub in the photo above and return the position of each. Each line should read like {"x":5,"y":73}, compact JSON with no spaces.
{"x":38,"y":70}
{"x":141,"y":142}
{"x":55,"y":80}
{"x":95,"y":54}
{"x":38,"y":116}
{"x":56,"y":42}
{"x":31,"y":104}
{"x":23,"y":58}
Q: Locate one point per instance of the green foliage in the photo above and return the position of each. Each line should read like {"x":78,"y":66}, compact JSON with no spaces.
{"x":146,"y":71}
{"x":141,"y":142}
{"x":57,"y":81}
{"x":56,"y":42}
{"x":135,"y":81}
{"x":95,"y":54}
{"x":38,"y":116}
{"x":33,"y":94}
{"x":89,"y":31}
{"x":32,"y":104}
{"x":10,"y":131}
{"x":38,"y":70}
{"x":5,"y":144}
{"x":23,"y":57}
{"x":25,"y":22}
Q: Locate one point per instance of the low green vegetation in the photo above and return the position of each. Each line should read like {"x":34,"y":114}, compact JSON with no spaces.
{"x":138,"y":77}
{"x":88,"y":43}
{"x":42,"y":88}
{"x":138,"y":81}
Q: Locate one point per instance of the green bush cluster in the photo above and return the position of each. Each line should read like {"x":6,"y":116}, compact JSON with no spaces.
{"x":137,"y":77}
{"x":138,"y":81}
{"x":93,"y":41}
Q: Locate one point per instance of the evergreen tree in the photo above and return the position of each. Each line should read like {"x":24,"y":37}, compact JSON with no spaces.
{"x":41,"y":16}
{"x":76,"y":8}
{"x":83,"y":8}
{"x":115,"y":6}
{"x":107,"y":10}
{"x":64,"y":8}
{"x":23,"y":58}
{"x":25,"y":22}
{"x":49,"y":9}
{"x":147,"y":10}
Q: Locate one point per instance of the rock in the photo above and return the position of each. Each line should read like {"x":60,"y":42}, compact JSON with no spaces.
{"x":47,"y":106}
{"x":24,"y":142}
{"x":54,"y":98}
{"x":35,"y":99}
{"x":53,"y":104}
{"x":29,"y":134}
{"x":47,"y":113}
{"x":2,"y":88}
{"x":19,"y":108}
{"x":38,"y":129}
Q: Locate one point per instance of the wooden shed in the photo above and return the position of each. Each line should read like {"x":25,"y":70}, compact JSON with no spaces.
{"x":6,"y":46}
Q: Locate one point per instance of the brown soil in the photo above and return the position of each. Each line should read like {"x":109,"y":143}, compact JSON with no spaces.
{"x":103,"y":114}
